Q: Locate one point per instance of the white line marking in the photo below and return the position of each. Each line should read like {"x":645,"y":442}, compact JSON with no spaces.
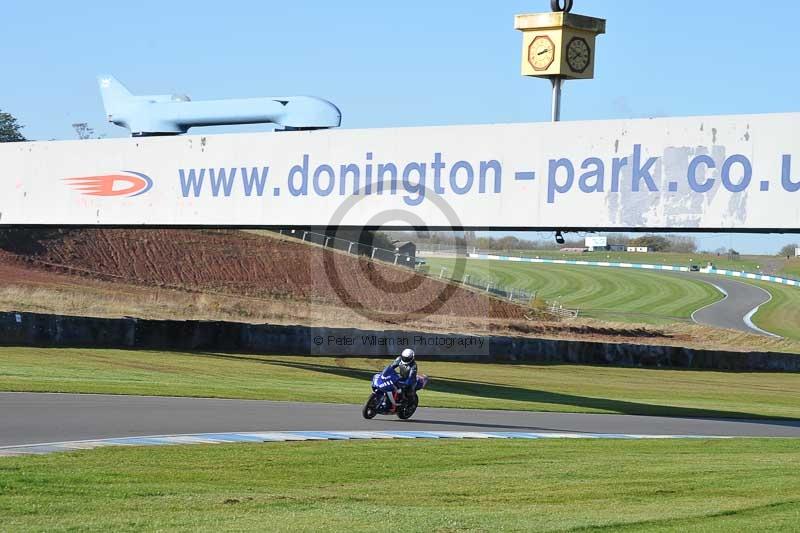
{"x":748,"y":319}
{"x":289,"y":436}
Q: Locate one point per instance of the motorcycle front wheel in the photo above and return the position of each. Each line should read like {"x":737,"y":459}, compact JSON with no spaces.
{"x":371,"y":407}
{"x":408,"y":408}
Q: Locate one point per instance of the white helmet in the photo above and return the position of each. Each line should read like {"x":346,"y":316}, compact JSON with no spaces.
{"x":407,"y":356}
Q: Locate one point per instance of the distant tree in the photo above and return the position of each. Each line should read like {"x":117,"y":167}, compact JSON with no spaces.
{"x":684,"y":245}
{"x":83,"y":130}
{"x":655,"y":243}
{"x":618,"y":238}
{"x":789,"y":250}
{"x":368,"y":239}
{"x":10,"y":129}
{"x":509,"y":242}
{"x":379,"y":239}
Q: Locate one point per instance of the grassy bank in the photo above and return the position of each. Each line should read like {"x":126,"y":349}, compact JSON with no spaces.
{"x":630,"y":295}
{"x":792,"y":268}
{"x":782,"y":314}
{"x":732,"y":485}
{"x":558,"y":388}
{"x":748,"y":263}
{"x":611,"y":294}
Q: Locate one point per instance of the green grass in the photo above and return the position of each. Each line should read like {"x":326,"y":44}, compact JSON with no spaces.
{"x":612,"y":294}
{"x":792,"y":268}
{"x":752,"y":263}
{"x":629,"y":295}
{"x":730,"y":485}
{"x":781,"y":315}
{"x":558,"y":388}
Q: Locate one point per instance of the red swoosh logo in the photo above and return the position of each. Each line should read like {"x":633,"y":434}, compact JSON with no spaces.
{"x":111,"y":185}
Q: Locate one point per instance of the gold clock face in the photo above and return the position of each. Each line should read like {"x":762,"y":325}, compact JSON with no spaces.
{"x":541,"y":53}
{"x":579,"y":55}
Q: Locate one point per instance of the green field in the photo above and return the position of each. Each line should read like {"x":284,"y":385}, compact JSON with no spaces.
{"x":781,"y":315}
{"x":558,"y":388}
{"x":445,"y":486}
{"x":623,"y":295}
{"x":775,"y":265}
{"x":747,"y":263}
{"x":611,"y":294}
{"x":792,"y":268}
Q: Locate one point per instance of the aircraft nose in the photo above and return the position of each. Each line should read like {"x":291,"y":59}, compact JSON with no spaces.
{"x":311,"y":112}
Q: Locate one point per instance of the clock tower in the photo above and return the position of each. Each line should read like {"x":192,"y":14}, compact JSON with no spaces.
{"x":559,"y":46}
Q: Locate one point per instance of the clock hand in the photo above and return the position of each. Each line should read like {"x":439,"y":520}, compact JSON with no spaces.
{"x":543,"y":52}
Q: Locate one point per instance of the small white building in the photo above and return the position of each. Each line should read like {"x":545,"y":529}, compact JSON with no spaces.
{"x":797,"y":252}
{"x":638,"y":249}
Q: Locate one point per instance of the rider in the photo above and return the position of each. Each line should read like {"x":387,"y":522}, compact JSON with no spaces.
{"x":406,"y":367}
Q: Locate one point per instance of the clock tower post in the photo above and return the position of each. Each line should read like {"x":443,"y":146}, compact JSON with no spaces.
{"x":559,"y":46}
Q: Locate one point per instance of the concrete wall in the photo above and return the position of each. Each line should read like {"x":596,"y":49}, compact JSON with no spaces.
{"x":31,"y":329}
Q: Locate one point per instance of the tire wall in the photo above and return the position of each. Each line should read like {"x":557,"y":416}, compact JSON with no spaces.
{"x":41,"y":330}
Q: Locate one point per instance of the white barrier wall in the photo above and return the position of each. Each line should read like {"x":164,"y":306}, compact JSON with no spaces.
{"x":727,"y":172}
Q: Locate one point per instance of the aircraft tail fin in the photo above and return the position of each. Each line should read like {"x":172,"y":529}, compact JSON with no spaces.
{"x":113,"y":93}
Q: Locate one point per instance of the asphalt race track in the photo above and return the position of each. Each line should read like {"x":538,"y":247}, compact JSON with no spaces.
{"x":733,"y":312}
{"x":34,"y":418}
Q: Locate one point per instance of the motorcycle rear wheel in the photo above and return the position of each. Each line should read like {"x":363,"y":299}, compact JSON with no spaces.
{"x":371,"y":407}
{"x":408,"y":408}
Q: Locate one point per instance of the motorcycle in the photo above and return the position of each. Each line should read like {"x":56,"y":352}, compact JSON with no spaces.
{"x":385,"y":384}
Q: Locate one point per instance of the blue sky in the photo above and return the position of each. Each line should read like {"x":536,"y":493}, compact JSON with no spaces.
{"x":398,"y":64}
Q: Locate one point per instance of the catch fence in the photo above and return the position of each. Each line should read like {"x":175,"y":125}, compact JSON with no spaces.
{"x":510,"y":293}
{"x":353,"y":247}
{"x":491,"y":287}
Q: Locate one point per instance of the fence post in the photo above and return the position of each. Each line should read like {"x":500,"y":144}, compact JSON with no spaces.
{"x":489,"y":286}
{"x":327,"y":239}
{"x":350,"y":248}
{"x":396,"y":258}
{"x":466,"y":279}
{"x":441,"y":274}
{"x":304,"y":235}
{"x":373,"y":252}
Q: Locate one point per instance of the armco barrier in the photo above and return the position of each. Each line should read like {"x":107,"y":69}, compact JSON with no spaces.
{"x":671,"y":268}
{"x":32,"y":329}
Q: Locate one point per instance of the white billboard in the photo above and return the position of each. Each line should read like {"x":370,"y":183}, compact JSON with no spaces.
{"x":596,"y":242}
{"x":720,"y":173}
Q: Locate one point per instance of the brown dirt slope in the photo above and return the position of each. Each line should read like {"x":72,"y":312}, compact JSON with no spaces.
{"x":235,"y":276}
{"x":237,"y":263}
